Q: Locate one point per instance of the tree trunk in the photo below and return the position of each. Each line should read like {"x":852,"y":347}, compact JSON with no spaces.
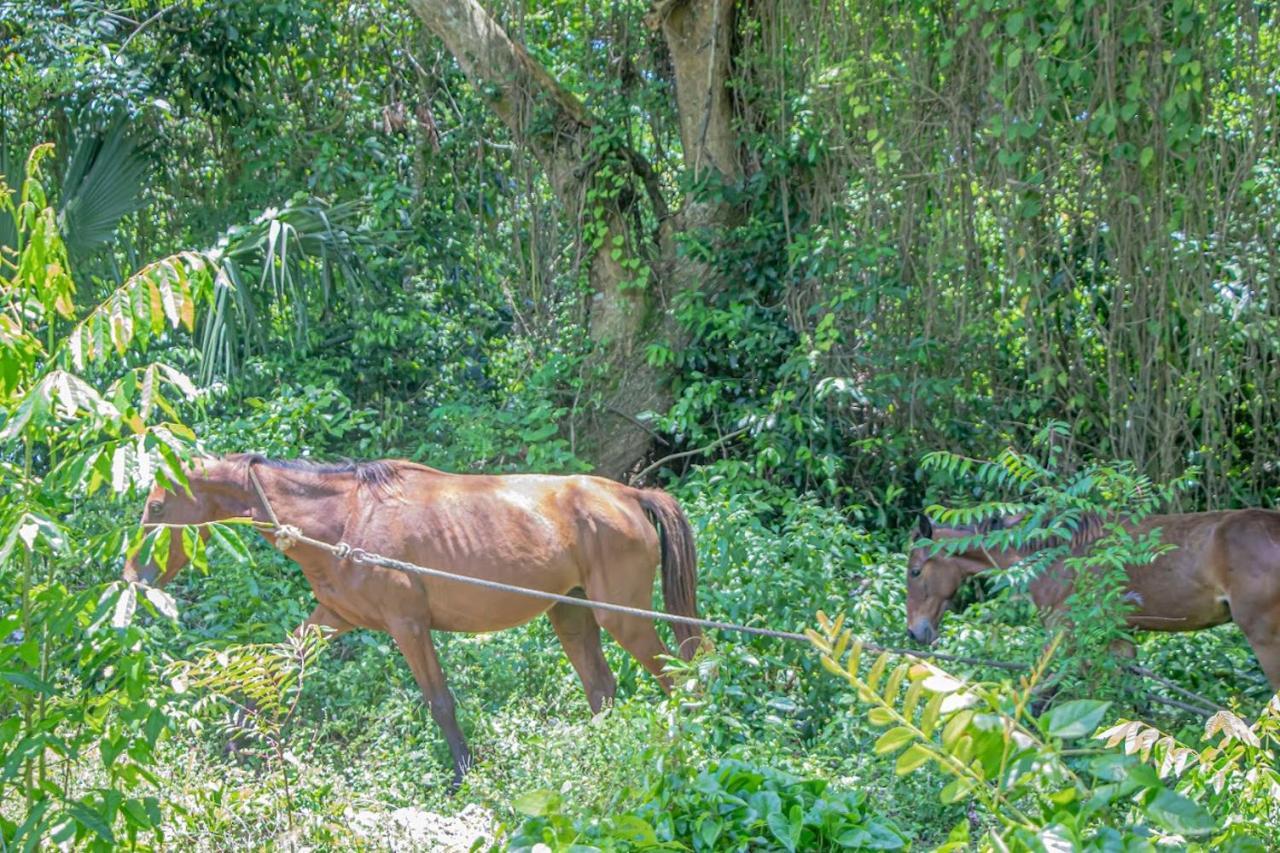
{"x":623,"y":318}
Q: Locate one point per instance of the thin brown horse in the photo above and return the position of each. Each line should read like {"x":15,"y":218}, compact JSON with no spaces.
{"x":555,"y":534}
{"x":1225,"y":568}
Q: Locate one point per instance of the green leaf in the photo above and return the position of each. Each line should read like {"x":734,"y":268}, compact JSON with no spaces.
{"x":880,"y":716}
{"x":91,"y":820}
{"x":635,"y":830}
{"x":1179,"y":814}
{"x":122,"y":615}
{"x":103,"y":184}
{"x":163,"y":602}
{"x":709,"y":830}
{"x":538,"y":433}
{"x":1075,"y":719}
{"x":929,"y":719}
{"x":911,"y":759}
{"x":787,"y":828}
{"x":893,"y":740}
{"x":956,"y":790}
{"x":537,"y":803}
{"x":229,"y":540}
{"x":27,"y":682}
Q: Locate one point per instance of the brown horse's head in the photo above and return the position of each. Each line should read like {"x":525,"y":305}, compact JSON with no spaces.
{"x":216,"y":492}
{"x":934,"y":579}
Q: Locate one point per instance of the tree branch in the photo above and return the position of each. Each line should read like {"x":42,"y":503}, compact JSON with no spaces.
{"x":672,"y":457}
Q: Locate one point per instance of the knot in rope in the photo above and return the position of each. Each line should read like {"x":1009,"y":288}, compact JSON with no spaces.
{"x":287,"y":536}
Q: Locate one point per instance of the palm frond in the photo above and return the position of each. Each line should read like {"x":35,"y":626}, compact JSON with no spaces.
{"x":101,"y":185}
{"x":290,"y":264}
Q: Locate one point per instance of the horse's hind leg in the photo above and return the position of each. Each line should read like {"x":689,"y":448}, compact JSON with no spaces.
{"x":1261,"y":624}
{"x":1269,"y":656}
{"x":634,"y":633}
{"x":638,"y":636}
{"x":1266,"y":646}
{"x":414,"y":640}
{"x":579,"y":634}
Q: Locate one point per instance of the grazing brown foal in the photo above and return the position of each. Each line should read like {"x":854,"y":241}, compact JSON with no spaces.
{"x":1225,"y":568}
{"x":555,"y":534}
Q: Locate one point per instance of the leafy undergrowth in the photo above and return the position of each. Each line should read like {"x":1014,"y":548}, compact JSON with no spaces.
{"x":729,"y":805}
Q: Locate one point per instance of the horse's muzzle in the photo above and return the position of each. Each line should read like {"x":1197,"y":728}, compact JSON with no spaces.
{"x":922,"y":632}
{"x":145,"y":575}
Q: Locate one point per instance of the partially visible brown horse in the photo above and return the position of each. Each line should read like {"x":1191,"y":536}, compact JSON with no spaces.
{"x":556,"y":534}
{"x":1226,"y":567}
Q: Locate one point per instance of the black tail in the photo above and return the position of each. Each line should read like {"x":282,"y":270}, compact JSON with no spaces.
{"x":679,"y":565}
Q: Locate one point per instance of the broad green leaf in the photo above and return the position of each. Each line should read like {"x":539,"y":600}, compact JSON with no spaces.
{"x":780,"y":826}
{"x":956,"y":726}
{"x":1179,"y":814}
{"x":1075,"y":719}
{"x":537,"y":803}
{"x":87,"y":817}
{"x":877,"y":671}
{"x":929,"y":719}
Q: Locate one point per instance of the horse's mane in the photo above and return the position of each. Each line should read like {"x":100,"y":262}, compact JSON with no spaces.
{"x":1089,"y":529}
{"x":379,"y":474}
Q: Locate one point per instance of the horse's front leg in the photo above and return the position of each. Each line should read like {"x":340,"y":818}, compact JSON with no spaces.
{"x":414,"y":640}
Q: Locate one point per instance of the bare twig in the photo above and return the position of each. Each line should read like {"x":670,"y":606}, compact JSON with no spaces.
{"x":148,"y":22}
{"x":644,"y":426}
{"x":1176,"y":688}
{"x":671,"y":457}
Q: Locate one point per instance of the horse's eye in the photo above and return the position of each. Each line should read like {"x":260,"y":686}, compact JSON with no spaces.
{"x":155,"y":507}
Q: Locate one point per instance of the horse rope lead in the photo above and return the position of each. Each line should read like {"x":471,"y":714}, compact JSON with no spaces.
{"x":287,"y":536}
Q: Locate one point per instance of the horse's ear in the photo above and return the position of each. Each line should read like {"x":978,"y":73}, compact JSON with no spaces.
{"x":924,"y":527}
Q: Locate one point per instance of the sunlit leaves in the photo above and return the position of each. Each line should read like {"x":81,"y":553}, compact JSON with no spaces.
{"x":161,"y":295}
{"x":74,"y":437}
{"x":261,"y":681}
{"x":162,"y":601}
{"x":1240,"y":772}
{"x":34,"y":532}
{"x":983,"y":738}
{"x":122,"y":615}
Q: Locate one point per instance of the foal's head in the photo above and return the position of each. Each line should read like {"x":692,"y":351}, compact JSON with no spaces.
{"x":934,"y":579}
{"x":216,"y":491}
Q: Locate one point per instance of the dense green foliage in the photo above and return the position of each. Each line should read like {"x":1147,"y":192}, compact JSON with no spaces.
{"x":975,"y":253}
